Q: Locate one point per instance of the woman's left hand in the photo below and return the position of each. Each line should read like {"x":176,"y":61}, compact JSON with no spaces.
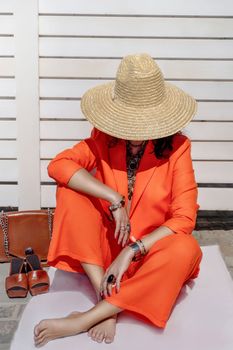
{"x":117,"y":268}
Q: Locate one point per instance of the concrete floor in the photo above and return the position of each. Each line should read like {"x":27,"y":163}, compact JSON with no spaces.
{"x":12,"y":309}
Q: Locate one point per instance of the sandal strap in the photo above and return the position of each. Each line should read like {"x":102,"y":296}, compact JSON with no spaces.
{"x":36,"y":277}
{"x":16,"y":280}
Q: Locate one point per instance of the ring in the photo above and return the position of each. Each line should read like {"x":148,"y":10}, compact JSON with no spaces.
{"x":128,"y":227}
{"x":111,"y":279}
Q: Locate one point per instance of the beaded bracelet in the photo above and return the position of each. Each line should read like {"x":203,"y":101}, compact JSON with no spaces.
{"x":118,"y":205}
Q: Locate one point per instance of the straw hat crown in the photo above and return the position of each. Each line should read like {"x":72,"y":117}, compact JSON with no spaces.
{"x":139,"y":104}
{"x":139,"y":82}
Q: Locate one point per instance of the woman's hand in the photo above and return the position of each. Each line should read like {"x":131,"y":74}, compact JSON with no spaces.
{"x":122,"y":230}
{"x":117,"y":268}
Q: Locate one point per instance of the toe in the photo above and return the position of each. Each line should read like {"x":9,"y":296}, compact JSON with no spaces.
{"x":93,"y":334}
{"x":39,"y":328}
{"x":95,"y":337}
{"x":109,"y":339}
{"x":100,"y":338}
{"x":89,"y":333}
{"x":39,"y":342}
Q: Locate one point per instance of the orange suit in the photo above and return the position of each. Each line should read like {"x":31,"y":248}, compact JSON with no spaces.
{"x":165,"y":193}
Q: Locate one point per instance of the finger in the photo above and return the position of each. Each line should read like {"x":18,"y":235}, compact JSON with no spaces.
{"x":121,"y":235}
{"x":102,"y":284}
{"x":125,"y":239}
{"x":109,"y":289}
{"x":105,"y":292}
{"x":104,"y":288}
{"x":118,"y":284}
{"x":117,"y":229}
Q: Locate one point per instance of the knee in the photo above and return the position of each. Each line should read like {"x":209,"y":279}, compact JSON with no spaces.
{"x":72,"y":201}
{"x":185,"y":248}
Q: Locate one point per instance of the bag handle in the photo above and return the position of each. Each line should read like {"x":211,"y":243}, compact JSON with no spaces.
{"x":4,"y":226}
{"x":50,"y":222}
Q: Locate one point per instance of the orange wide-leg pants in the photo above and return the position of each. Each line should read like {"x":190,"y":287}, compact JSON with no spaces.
{"x":150,"y":286}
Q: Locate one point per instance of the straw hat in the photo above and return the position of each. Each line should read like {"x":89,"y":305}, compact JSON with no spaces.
{"x":139,"y":104}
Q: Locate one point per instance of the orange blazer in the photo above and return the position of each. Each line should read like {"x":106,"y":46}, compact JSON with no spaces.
{"x":165,"y":191}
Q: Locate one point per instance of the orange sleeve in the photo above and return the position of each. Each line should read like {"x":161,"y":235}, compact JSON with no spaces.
{"x":66,"y":163}
{"x":183,"y":209}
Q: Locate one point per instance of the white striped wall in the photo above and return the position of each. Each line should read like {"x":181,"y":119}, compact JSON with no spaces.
{"x":8,"y":128}
{"x":80,"y":45}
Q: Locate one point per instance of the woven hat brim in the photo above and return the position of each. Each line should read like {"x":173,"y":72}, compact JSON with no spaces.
{"x":138,"y":123}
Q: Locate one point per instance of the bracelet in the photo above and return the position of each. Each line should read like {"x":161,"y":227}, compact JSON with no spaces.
{"x":137,"y":251}
{"x":118,"y":205}
{"x":142,"y":247}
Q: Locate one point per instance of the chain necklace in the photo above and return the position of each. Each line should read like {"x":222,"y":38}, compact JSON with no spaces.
{"x":132,"y":161}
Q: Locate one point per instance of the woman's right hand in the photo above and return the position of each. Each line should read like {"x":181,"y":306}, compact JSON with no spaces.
{"x":122,"y":230}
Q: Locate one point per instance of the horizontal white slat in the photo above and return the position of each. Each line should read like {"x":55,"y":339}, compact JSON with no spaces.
{"x":107,"y":68}
{"x":71,"y":109}
{"x":123,"y":26}
{"x":48,"y":149}
{"x":149,"y":7}
{"x":209,"y":131}
{"x":7,"y":87}
{"x":8,"y":170}
{"x":7,"y":129}
{"x":81,"y":129}
{"x":108,"y":47}
{"x":200,"y":150}
{"x":8,"y":195}
{"x":8,"y":149}
{"x":7,"y":46}
{"x":60,"y":109}
{"x":215,"y":198}
{"x":6,"y":6}
{"x":7,"y":66}
{"x":7,"y":108}
{"x":213,"y":172}
{"x":6,"y":24}
{"x":208,"y":198}
{"x":77,"y":87}
{"x":205,"y":172}
{"x":212,"y":150}
{"x":214,"y":111}
{"x":64,"y":130}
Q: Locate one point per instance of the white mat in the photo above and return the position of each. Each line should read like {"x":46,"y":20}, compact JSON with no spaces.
{"x":201,"y":320}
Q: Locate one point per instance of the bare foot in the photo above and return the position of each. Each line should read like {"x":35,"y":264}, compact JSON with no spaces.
{"x":104,"y":330}
{"x":50,"y":329}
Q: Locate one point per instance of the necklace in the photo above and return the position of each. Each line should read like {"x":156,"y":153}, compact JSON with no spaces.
{"x":133,"y":161}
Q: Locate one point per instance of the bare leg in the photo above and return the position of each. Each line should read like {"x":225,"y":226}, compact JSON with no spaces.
{"x":106,"y":329}
{"x":50,"y":329}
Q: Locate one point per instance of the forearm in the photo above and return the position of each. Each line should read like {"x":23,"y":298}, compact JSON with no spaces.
{"x":150,"y":239}
{"x":84,"y":182}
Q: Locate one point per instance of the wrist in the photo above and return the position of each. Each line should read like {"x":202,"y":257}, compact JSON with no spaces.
{"x":129,"y":251}
{"x":116,"y":205}
{"x":138,"y":249}
{"x":115,"y":197}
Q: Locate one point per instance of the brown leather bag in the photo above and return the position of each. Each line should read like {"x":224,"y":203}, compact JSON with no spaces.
{"x":20,"y":230}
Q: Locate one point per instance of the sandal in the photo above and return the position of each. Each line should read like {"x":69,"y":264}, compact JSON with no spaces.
{"x":16,"y":283}
{"x":38,"y":279}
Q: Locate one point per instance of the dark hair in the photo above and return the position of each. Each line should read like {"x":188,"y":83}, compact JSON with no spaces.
{"x":162,"y":146}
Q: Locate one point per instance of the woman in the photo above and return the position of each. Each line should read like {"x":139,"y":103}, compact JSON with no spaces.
{"x":127,"y":203}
